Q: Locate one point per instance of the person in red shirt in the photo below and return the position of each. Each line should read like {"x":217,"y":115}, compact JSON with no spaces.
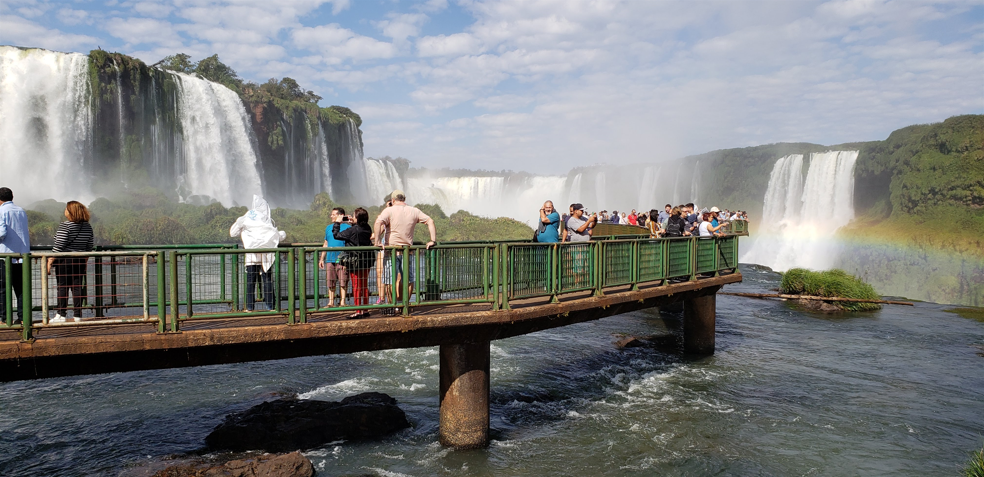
{"x":633,"y":218}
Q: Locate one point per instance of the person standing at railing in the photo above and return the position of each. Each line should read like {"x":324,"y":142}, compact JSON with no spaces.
{"x":335,"y":273}
{"x":401,"y":220}
{"x":14,"y":238}
{"x":383,"y":262}
{"x":664,"y":215}
{"x":548,"y":230}
{"x":707,"y":226}
{"x":653,"y":224}
{"x":676,"y":225}
{"x":73,"y":235}
{"x":633,"y":219}
{"x":359,"y":263}
{"x":258,"y":231}
{"x":579,"y":227}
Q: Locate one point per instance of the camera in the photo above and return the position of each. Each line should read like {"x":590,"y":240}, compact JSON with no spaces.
{"x":345,"y":218}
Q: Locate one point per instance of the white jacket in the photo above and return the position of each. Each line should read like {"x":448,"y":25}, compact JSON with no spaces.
{"x":257,"y":231}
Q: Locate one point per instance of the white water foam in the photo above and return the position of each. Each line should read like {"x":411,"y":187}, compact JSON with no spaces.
{"x":45,"y":123}
{"x":801,"y":216}
{"x":220,"y":161}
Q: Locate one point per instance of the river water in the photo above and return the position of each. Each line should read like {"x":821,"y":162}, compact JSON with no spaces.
{"x":895,"y":392}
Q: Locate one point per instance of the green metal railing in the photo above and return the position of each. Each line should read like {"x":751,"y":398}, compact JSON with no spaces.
{"x":174,"y":285}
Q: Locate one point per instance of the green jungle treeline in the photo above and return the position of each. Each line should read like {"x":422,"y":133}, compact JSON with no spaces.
{"x":149,"y":217}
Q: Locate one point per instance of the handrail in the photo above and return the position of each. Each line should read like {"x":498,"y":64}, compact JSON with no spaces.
{"x":171,"y":285}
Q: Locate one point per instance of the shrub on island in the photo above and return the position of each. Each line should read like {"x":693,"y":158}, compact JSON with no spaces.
{"x":831,"y":283}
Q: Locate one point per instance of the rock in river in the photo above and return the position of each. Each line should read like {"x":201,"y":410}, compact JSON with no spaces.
{"x":268,"y":465}
{"x":290,"y":424}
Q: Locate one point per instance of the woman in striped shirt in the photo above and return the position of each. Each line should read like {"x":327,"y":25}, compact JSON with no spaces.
{"x":73,"y":235}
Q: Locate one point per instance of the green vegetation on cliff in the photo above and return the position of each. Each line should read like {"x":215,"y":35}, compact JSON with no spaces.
{"x":148,"y":216}
{"x":830,"y":283}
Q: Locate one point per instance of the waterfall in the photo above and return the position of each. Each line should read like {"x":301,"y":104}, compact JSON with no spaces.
{"x":800,"y":217}
{"x":45,"y":124}
{"x":601,"y":194}
{"x":321,"y":153}
{"x":695,"y":185}
{"x":382,"y":178}
{"x":219,"y":158}
{"x":576,"y":193}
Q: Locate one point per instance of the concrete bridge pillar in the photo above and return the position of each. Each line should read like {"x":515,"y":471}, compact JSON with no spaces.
{"x":698,"y":324}
{"x":465,"y":395}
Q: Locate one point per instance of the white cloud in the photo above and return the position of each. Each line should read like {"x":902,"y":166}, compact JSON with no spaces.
{"x":339,"y":43}
{"x":153,"y":9}
{"x":22,"y":32}
{"x":399,"y":27}
{"x":456,"y":44}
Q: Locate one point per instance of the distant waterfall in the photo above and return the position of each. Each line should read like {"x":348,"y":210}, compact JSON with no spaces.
{"x":219,"y":158}
{"x":800,"y":216}
{"x":382,"y":178}
{"x":45,"y":124}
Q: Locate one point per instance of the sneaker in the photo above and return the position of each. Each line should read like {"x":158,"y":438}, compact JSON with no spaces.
{"x":57,"y":319}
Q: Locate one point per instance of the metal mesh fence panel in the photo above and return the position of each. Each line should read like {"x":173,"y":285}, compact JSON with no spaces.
{"x":726,"y":253}
{"x":456,"y":274}
{"x":617,"y":263}
{"x":651,"y":260}
{"x":529,"y":270}
{"x":705,"y":255}
{"x":576,"y":266}
{"x":678,"y":257}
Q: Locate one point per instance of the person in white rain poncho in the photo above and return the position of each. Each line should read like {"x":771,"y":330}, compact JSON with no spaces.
{"x":258,"y":231}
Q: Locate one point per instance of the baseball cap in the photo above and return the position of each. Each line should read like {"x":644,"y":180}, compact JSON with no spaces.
{"x":578,"y":207}
{"x":396,"y":193}
{"x":715,"y":209}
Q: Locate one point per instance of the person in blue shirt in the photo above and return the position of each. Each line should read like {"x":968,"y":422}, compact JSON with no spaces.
{"x":14,"y":238}
{"x":335,"y":273}
{"x":548,"y":231}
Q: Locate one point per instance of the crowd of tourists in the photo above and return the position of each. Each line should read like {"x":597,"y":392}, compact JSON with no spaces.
{"x":679,"y":221}
{"x":376,"y":249}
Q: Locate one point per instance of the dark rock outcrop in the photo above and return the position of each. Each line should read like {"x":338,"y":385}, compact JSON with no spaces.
{"x":267,"y":465}
{"x":818,"y":306}
{"x":290,"y":424}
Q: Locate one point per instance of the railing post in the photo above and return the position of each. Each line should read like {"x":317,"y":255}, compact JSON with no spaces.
{"x":44,"y":290}
{"x":506,"y":267}
{"x":496,"y":259}
{"x":172,"y":259}
{"x":188,"y":288}
{"x":27,"y":307}
{"x":553,"y":272}
{"x":634,"y":271}
{"x":161,"y":292}
{"x":302,"y":284}
{"x":693,"y":258}
{"x":405,"y":285}
{"x":235,"y":282}
{"x":8,"y":292}
{"x":597,"y":261}
{"x":112,"y":282}
{"x":276,"y":280}
{"x":222,"y":276}
{"x":316,"y":280}
{"x":145,"y":279}
{"x":97,"y":270}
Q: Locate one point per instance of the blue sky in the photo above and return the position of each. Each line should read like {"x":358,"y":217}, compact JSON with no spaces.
{"x":544,"y":85}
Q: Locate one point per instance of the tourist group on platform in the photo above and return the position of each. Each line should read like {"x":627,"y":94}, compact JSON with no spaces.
{"x":680,"y":221}
{"x":376,"y":250}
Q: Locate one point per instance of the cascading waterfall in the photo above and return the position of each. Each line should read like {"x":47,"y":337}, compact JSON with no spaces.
{"x":218,"y":154}
{"x":695,"y":185}
{"x":383,"y":178}
{"x":576,"y":192}
{"x":800,"y":216}
{"x":321,"y":152}
{"x":45,"y":124}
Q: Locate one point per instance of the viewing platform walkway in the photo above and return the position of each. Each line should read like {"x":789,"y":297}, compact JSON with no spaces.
{"x":167,"y":307}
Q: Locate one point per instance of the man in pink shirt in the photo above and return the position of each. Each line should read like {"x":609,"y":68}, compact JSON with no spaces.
{"x":398,"y":223}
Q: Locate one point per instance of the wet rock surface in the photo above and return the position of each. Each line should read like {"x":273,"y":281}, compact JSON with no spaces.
{"x":291,"y":424}
{"x":817,"y":306}
{"x":267,"y":465}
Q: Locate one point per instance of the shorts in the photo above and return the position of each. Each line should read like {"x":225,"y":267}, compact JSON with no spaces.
{"x":388,"y":266}
{"x":336,"y":274}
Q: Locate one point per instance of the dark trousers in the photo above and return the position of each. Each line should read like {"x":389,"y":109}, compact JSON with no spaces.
{"x":255,"y":273}
{"x":17,"y":284}
{"x":70,"y":274}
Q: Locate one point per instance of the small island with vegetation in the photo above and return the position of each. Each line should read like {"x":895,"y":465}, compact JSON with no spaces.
{"x":829,"y":284}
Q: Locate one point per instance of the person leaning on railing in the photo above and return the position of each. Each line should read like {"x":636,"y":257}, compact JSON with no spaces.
{"x":73,"y":235}
{"x":258,"y":231}
{"x":399,"y":222}
{"x":14,"y":238}
{"x":358,"y":263}
{"x":652,"y":223}
{"x":709,"y":227}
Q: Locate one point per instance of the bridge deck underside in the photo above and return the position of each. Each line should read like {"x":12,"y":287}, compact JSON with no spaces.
{"x":61,"y":350}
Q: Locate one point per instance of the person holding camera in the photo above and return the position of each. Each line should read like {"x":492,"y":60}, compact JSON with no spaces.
{"x":335,"y":273}
{"x":578,"y":226}
{"x":357,"y":263}
{"x":548,"y":231}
